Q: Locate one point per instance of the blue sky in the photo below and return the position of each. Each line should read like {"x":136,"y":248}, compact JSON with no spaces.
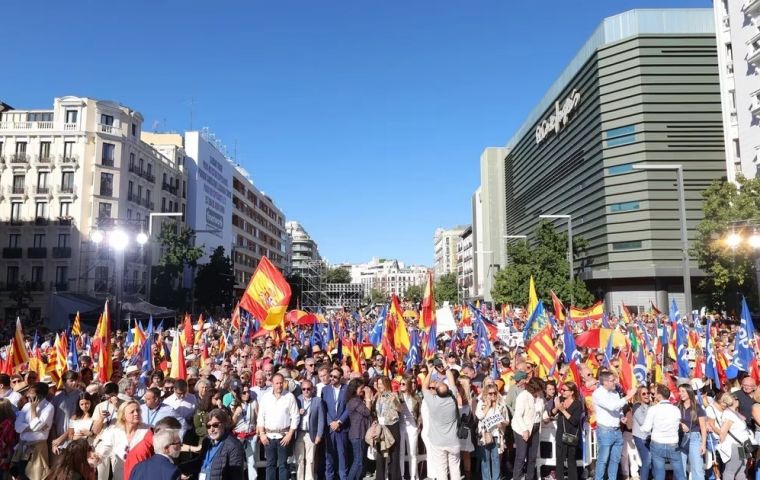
{"x":364,"y":120}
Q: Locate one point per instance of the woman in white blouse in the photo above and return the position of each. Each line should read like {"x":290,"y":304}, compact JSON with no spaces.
{"x":117,"y":440}
{"x":732,"y":432}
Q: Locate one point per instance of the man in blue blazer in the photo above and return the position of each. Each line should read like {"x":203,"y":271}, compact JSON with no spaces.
{"x":311,"y":430}
{"x":334,"y":396}
{"x":166,"y":444}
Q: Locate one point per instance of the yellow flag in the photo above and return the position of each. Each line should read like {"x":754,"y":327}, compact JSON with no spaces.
{"x":532,"y":297}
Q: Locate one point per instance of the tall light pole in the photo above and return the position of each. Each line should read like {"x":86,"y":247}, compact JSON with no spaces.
{"x":569,"y":246}
{"x":506,"y":245}
{"x":684,"y":238}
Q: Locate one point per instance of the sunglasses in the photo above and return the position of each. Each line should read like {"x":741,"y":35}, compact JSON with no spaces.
{"x":306,"y":389}
{"x":213,"y":425}
{"x":334,"y":376}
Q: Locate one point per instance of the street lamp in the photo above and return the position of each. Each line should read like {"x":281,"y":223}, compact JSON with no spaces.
{"x":682,"y":212}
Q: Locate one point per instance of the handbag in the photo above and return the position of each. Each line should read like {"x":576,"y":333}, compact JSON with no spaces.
{"x":463,"y":431}
{"x":569,"y":439}
{"x":746,"y":448}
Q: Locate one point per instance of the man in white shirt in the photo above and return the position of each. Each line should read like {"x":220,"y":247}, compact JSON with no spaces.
{"x":7,"y":392}
{"x":33,"y":424}
{"x":608,"y":407}
{"x":182,"y":402}
{"x":662,"y":423}
{"x":277,"y":423}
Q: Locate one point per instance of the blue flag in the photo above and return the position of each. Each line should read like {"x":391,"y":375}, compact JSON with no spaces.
{"x":608,"y":350}
{"x":483,"y":344}
{"x":73,"y":356}
{"x":640,"y":369}
{"x":146,"y":362}
{"x":376,"y":335}
{"x":605,"y":320}
{"x":571,"y":351}
{"x":495,"y":374}
{"x":682,"y":342}
{"x":743,"y":352}
{"x":130,"y":337}
{"x":711,"y":364}
{"x":414,"y":356}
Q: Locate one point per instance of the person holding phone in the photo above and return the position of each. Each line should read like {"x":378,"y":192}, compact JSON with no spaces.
{"x":33,"y":424}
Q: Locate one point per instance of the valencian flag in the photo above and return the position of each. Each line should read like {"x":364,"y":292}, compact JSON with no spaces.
{"x":537,"y":322}
{"x":427,"y":315}
{"x":541,"y":350}
{"x":20,"y":354}
{"x":267,"y":295}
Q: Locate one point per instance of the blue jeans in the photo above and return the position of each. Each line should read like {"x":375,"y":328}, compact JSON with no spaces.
{"x":662,"y":452}
{"x":610,"y":443}
{"x":357,"y":465}
{"x":693,"y":458}
{"x":489,"y":461}
{"x":646,"y":457}
{"x":277,"y":457}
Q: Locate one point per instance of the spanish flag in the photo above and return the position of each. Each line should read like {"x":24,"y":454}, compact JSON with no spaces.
{"x":266,"y":290}
{"x":542,"y":351}
{"x":20,"y":355}
{"x":400,"y":333}
{"x":187,"y":331}
{"x":105,"y":362}
{"x":179,"y":369}
{"x":594,"y":312}
{"x":427,"y":316}
{"x":559,"y":309}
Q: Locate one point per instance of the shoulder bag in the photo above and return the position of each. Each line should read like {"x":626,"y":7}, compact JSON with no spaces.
{"x":463,"y":431}
{"x":569,"y":439}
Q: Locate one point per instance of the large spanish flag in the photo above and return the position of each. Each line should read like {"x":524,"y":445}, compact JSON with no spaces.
{"x":267,"y":289}
{"x":594,"y":312}
{"x":103,"y":333}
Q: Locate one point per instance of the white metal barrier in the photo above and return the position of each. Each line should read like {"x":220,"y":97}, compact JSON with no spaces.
{"x":548,"y":433}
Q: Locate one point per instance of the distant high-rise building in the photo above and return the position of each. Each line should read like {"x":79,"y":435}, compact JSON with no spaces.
{"x":387,"y":275}
{"x":445,"y":242}
{"x":466,"y":265}
{"x":303,"y":249}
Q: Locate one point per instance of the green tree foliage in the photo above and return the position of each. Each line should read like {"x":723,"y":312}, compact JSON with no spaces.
{"x":214,"y":282}
{"x":446,"y":288}
{"x":377,"y":296}
{"x":336,"y":275}
{"x":546,"y":260}
{"x":414,"y":293}
{"x":730,"y":271}
{"x":177,"y":252}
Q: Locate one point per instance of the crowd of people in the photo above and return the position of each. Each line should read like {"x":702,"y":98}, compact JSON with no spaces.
{"x":280,"y":405}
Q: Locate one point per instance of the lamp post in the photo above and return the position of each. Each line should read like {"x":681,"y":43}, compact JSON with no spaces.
{"x":682,"y":213}
{"x":734,"y":239}
{"x":569,"y":246}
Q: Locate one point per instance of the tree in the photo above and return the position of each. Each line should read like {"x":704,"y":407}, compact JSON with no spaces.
{"x":336,"y":275}
{"x":177,"y":252}
{"x":546,"y":261}
{"x":414,"y":293}
{"x":377,"y":296}
{"x":727,"y":208}
{"x":446,"y":289}
{"x":215,"y":282}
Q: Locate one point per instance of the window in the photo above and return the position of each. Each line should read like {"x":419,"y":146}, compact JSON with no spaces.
{"x":39,"y":117}
{"x":134,"y":129}
{"x":11,"y":275}
{"x":108,"y":154}
{"x":164,"y":179}
{"x":130,"y":187}
{"x":626,"y":245}
{"x":63,"y":240}
{"x":104,"y":210}
{"x":67,"y":182}
{"x":62,"y":275}
{"x":16,"y":212}
{"x":624,"y":206}
{"x":37,"y":274}
{"x":106,"y":184}
{"x":18,"y":184}
{"x":71,"y":116}
{"x":618,"y":169}
{"x":42,"y":178}
{"x":68,"y":150}
{"x":21,"y":147}
{"x":39,"y":240}
{"x":40,"y":210}
{"x":141,"y":164}
{"x":163,"y":204}
{"x":147,"y":194}
{"x":106,"y":119}
{"x":620,"y":136}
{"x":129,"y":214}
{"x":14,"y":240}
{"x":131,"y":161}
{"x":65,"y":209}
{"x":150,"y":168}
{"x":1,"y":149}
{"x":44,"y":150}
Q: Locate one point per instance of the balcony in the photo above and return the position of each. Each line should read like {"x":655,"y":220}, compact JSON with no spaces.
{"x":42,"y":190}
{"x":12,"y":252}
{"x":65,"y":221}
{"x":753,"y":53}
{"x":19,"y":158}
{"x":69,"y":161}
{"x":131,"y":197}
{"x":61,"y":252}
{"x":106,"y":191}
{"x":109,"y":129}
{"x":70,"y":127}
{"x":16,"y":190}
{"x":107,"y":162}
{"x":43,"y":160}
{"x":755,"y":103}
{"x":10,"y":286}
{"x":148,"y":204}
{"x":65,"y":189}
{"x":149,"y":177}
{"x":41,"y":221}
{"x":169,"y":188}
{"x":26,"y":125}
{"x":752,"y":7}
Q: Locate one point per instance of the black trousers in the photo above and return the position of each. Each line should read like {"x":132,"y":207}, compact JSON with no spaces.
{"x":392,"y":456}
{"x":567,"y":453}
{"x":525,"y":455}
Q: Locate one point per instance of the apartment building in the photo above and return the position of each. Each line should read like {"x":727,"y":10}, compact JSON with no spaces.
{"x":77,"y":188}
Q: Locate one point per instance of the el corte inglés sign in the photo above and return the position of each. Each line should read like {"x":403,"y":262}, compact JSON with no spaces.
{"x":559,"y":118}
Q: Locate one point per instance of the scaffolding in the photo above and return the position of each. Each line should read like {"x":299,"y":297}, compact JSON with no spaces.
{"x":338,"y":295}
{"x":312,"y":295}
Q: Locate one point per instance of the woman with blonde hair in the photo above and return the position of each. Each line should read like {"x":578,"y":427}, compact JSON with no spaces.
{"x":387,"y":407}
{"x":118,"y":439}
{"x":732,"y":431}
{"x":492,"y":421}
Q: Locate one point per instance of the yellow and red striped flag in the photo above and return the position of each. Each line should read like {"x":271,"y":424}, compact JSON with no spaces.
{"x":427,"y":315}
{"x":20,"y":355}
{"x":62,"y":354}
{"x":542,"y":351}
{"x":179,"y":369}
{"x":105,"y":362}
{"x":199,"y":333}
{"x":76,"y":329}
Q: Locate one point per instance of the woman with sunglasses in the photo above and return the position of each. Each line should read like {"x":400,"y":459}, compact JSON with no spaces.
{"x":641,"y":403}
{"x":492,"y":419}
{"x":569,"y":410}
{"x":410,"y":400}
{"x":244,"y":411}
